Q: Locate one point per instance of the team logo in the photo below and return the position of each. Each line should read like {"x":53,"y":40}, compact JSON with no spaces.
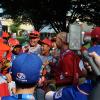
{"x":21,"y":76}
{"x":59,"y":94}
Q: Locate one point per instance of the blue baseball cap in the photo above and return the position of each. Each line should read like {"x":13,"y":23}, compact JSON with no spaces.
{"x":95,"y":48}
{"x":26,"y":68}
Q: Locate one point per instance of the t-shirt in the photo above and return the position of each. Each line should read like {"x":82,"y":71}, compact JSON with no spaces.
{"x":4,"y":91}
{"x":36,"y":50}
{"x":19,"y":97}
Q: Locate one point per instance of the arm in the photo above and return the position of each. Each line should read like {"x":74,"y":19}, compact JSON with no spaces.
{"x":66,"y":67}
{"x":96,"y":58}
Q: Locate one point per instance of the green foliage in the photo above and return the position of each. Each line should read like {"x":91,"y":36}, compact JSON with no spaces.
{"x":22,"y":39}
{"x":53,"y":12}
{"x":14,"y":27}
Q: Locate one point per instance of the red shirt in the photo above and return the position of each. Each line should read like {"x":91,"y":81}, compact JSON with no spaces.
{"x":67,"y":71}
{"x":4,"y":90}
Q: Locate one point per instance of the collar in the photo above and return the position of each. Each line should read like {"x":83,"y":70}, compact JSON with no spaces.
{"x":24,"y":96}
{"x":82,"y":91}
{"x":64,"y":52}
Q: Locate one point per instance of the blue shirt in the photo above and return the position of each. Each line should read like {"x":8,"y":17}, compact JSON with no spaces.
{"x":95,"y":48}
{"x":19,"y":97}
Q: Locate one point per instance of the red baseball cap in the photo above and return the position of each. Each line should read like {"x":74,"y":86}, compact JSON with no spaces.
{"x":1,"y":40}
{"x":13,"y":41}
{"x":47,"y":41}
{"x":5,"y":35}
{"x":34,"y":34}
{"x":96,"y":33}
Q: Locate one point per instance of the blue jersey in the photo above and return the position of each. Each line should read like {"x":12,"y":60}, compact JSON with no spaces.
{"x":73,"y":92}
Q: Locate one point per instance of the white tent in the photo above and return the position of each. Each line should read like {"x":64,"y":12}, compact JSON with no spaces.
{"x":47,"y":29}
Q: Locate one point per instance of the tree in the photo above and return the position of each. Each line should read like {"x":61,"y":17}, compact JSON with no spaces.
{"x":54,"y":12}
{"x":14,"y":27}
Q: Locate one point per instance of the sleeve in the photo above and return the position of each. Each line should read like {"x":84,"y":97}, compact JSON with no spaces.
{"x":49,"y":95}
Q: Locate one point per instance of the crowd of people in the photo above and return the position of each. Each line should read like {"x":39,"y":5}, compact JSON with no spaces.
{"x":47,"y":69}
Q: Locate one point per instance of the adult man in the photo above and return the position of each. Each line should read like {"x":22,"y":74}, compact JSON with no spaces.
{"x":68,"y":73}
{"x":26,"y":73}
{"x":69,"y":67}
{"x":34,"y":47}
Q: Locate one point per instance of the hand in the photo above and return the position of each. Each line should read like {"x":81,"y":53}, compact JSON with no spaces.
{"x":96,"y":58}
{"x":41,"y":81}
{"x":87,"y":66}
{"x":9,"y":78}
{"x":46,"y":63}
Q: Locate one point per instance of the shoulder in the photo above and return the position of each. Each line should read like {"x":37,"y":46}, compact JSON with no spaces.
{"x":70,"y":53}
{"x":8,"y":98}
{"x":61,"y":94}
{"x":65,"y":93}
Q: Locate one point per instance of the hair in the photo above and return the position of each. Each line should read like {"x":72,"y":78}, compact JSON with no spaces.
{"x":63,"y":36}
{"x":25,"y":85}
{"x":17,"y":46}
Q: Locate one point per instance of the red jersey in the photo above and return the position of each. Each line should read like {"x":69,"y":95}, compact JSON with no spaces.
{"x":67,"y":70}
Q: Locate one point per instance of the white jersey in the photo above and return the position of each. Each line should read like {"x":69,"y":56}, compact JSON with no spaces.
{"x":36,"y":50}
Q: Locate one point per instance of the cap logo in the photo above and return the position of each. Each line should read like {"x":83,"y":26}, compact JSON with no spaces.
{"x":21,"y":76}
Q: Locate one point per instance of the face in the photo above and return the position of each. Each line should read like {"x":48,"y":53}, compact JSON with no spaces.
{"x":34,"y":41}
{"x":54,"y":45}
{"x":58,"y":41}
{"x":45,"y":49}
{"x":17,"y":50}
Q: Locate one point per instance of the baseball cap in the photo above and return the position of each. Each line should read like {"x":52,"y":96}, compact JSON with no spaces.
{"x":47,"y":41}
{"x":5,"y":35}
{"x":13,"y":41}
{"x":1,"y":40}
{"x":34,"y":34}
{"x":96,"y":32}
{"x":26,"y":68}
